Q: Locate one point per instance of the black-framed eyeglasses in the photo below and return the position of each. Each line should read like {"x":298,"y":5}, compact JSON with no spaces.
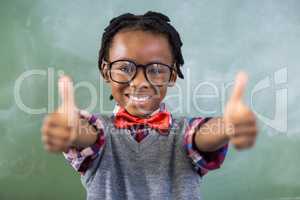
{"x":124,"y":71}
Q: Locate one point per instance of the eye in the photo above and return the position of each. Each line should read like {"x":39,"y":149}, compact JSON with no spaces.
{"x":154,"y":71}
{"x":157,"y":69}
{"x":124,"y":67}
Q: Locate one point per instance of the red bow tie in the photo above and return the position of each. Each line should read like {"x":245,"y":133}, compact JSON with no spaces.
{"x":159,"y":121}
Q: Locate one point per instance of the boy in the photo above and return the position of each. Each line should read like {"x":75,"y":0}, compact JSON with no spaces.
{"x":142,"y":151}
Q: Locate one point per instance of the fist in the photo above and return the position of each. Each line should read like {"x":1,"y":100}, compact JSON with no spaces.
{"x":59,"y":129}
{"x":239,"y":120}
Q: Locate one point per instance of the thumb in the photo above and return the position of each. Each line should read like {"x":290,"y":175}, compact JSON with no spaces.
{"x":239,"y":87}
{"x":66,"y":92}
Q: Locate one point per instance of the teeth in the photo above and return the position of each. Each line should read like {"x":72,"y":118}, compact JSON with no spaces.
{"x":139,"y":98}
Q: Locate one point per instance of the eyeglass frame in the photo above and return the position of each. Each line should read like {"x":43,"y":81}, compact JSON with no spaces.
{"x":172,"y":68}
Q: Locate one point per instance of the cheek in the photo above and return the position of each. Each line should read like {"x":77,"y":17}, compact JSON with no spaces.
{"x":117,"y":91}
{"x":160,"y":93}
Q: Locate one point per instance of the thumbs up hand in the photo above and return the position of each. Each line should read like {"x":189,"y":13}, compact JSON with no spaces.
{"x":60,"y":128}
{"x":240,"y":122}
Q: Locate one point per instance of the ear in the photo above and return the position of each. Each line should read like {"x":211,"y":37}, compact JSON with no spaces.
{"x":105,"y":72}
{"x":173,"y":79}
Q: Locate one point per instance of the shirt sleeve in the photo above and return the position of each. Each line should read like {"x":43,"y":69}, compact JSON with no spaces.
{"x":81,"y":159}
{"x":203,"y":162}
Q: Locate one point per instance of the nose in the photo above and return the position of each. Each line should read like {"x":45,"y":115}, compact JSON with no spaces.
{"x":139,"y":80}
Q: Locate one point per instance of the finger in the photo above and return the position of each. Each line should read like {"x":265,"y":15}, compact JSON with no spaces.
{"x":59,"y":143}
{"x":243,"y":142}
{"x":245,"y":131}
{"x":54,"y":144}
{"x":242,"y":116}
{"x":239,"y":87}
{"x":47,"y":141}
{"x":48,"y":145}
{"x":59,"y":133}
{"x":66,"y":92}
{"x":58,"y":119}
{"x":45,"y":124}
{"x":245,"y":123}
{"x":62,"y":121}
{"x":247,"y":142}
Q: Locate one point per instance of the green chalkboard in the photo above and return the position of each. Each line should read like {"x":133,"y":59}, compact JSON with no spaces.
{"x":41,"y":39}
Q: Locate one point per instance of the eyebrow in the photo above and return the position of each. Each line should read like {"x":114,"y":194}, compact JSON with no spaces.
{"x":135,"y":61}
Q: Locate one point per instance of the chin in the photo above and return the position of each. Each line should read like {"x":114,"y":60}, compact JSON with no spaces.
{"x":140,"y":111}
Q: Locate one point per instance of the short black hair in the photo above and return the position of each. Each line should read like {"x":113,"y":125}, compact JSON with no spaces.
{"x":151,"y":21}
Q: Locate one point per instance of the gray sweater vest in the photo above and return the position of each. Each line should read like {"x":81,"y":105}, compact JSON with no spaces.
{"x":157,"y":168}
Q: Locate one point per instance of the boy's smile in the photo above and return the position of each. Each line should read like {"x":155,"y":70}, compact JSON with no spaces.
{"x":139,"y":97}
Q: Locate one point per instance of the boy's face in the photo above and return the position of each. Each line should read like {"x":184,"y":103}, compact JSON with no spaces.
{"x":139,"y":97}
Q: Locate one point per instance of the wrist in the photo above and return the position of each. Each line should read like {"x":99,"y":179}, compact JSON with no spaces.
{"x":86,"y":131}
